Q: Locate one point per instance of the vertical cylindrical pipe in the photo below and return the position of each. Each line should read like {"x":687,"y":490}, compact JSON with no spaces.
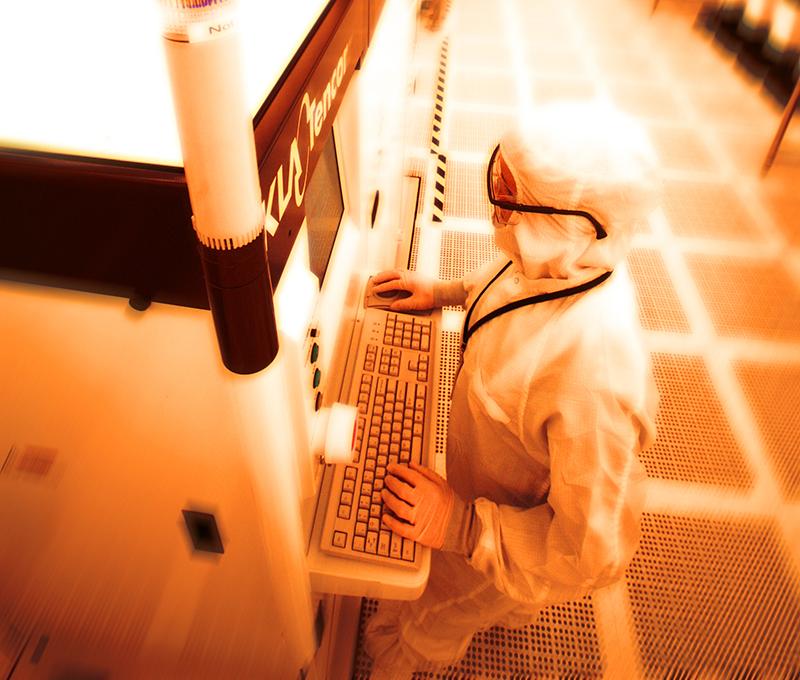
{"x":754,"y":24}
{"x":783,"y":42}
{"x":216,"y":132}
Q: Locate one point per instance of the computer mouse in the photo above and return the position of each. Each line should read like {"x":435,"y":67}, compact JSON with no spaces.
{"x":394,"y":294}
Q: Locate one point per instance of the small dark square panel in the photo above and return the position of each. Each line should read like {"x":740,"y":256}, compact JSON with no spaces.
{"x":203,"y":531}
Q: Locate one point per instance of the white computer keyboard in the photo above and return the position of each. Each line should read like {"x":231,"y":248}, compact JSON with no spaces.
{"x":393,"y":388}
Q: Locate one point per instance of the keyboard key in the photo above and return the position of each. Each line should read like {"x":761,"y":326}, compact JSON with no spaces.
{"x":408,"y":549}
{"x":396,"y":547}
{"x":344,"y":512}
{"x":348,"y":485}
{"x":383,"y":543}
{"x":358,"y":543}
{"x":347,"y":498}
{"x":340,"y":539}
{"x":363,"y":515}
{"x":350,"y":472}
{"x":372,"y":542}
{"x":361,"y":529}
{"x":416,"y":449}
{"x":375,"y":510}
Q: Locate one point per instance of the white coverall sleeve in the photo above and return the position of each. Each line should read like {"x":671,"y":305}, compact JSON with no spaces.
{"x":584,"y":535}
{"x":449,"y":293}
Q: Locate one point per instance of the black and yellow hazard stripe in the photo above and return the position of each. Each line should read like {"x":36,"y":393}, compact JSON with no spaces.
{"x":438,"y":110}
{"x":438,"y":188}
{"x":440,"y":162}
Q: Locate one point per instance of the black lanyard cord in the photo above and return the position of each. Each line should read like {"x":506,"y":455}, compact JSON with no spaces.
{"x":467,"y":331}
{"x":480,"y":295}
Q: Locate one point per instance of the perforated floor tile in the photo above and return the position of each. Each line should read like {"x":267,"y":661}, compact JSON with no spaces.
{"x":474,"y":131}
{"x":546,"y":61}
{"x":746,"y":148}
{"x":449,"y":361}
{"x":724,"y":105}
{"x":707,"y":209}
{"x":681,"y":148}
{"x":462,"y":253}
{"x":473,"y":86}
{"x":694,"y":442}
{"x":625,"y":64}
{"x":645,"y":100}
{"x":784,"y":207}
{"x":714,"y":599}
{"x":773,"y":392}
{"x":562,"y":644}
{"x":549,"y":89}
{"x":471,"y":55}
{"x":465,"y":190}
{"x":748,"y":298}
{"x":659,"y":306}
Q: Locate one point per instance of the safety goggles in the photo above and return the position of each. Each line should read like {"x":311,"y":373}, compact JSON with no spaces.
{"x":492,"y":172}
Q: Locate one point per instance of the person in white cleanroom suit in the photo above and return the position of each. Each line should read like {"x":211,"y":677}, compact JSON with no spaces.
{"x":552,"y":403}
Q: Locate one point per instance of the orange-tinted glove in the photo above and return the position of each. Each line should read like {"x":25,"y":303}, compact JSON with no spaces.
{"x":421,"y":501}
{"x":420,"y":287}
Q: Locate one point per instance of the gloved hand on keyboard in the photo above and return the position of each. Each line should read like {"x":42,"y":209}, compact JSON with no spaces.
{"x":420,"y":287}
{"x":421,"y":501}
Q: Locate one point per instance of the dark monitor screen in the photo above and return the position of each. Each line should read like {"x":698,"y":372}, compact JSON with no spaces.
{"x":324,"y":209}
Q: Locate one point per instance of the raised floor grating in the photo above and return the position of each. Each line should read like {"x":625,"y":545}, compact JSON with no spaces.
{"x":659,"y":306}
{"x":694,"y":442}
{"x":748,"y":298}
{"x":645,"y":100}
{"x":714,"y":599}
{"x":707,"y":209}
{"x":556,"y":88}
{"x":449,"y":361}
{"x":773,"y":392}
{"x":465,"y":190}
{"x":478,"y":86}
{"x":681,"y":148}
{"x":544,"y":61}
{"x":464,"y":252}
{"x":624,"y":63}
{"x":562,"y":644}
{"x":784,"y":208}
{"x":474,"y":131}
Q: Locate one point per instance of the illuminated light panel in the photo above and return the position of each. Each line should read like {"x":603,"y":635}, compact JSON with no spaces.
{"x":91,"y":79}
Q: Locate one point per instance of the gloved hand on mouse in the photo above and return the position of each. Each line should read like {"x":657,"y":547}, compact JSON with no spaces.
{"x":421,"y":501}
{"x":420,"y":287}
